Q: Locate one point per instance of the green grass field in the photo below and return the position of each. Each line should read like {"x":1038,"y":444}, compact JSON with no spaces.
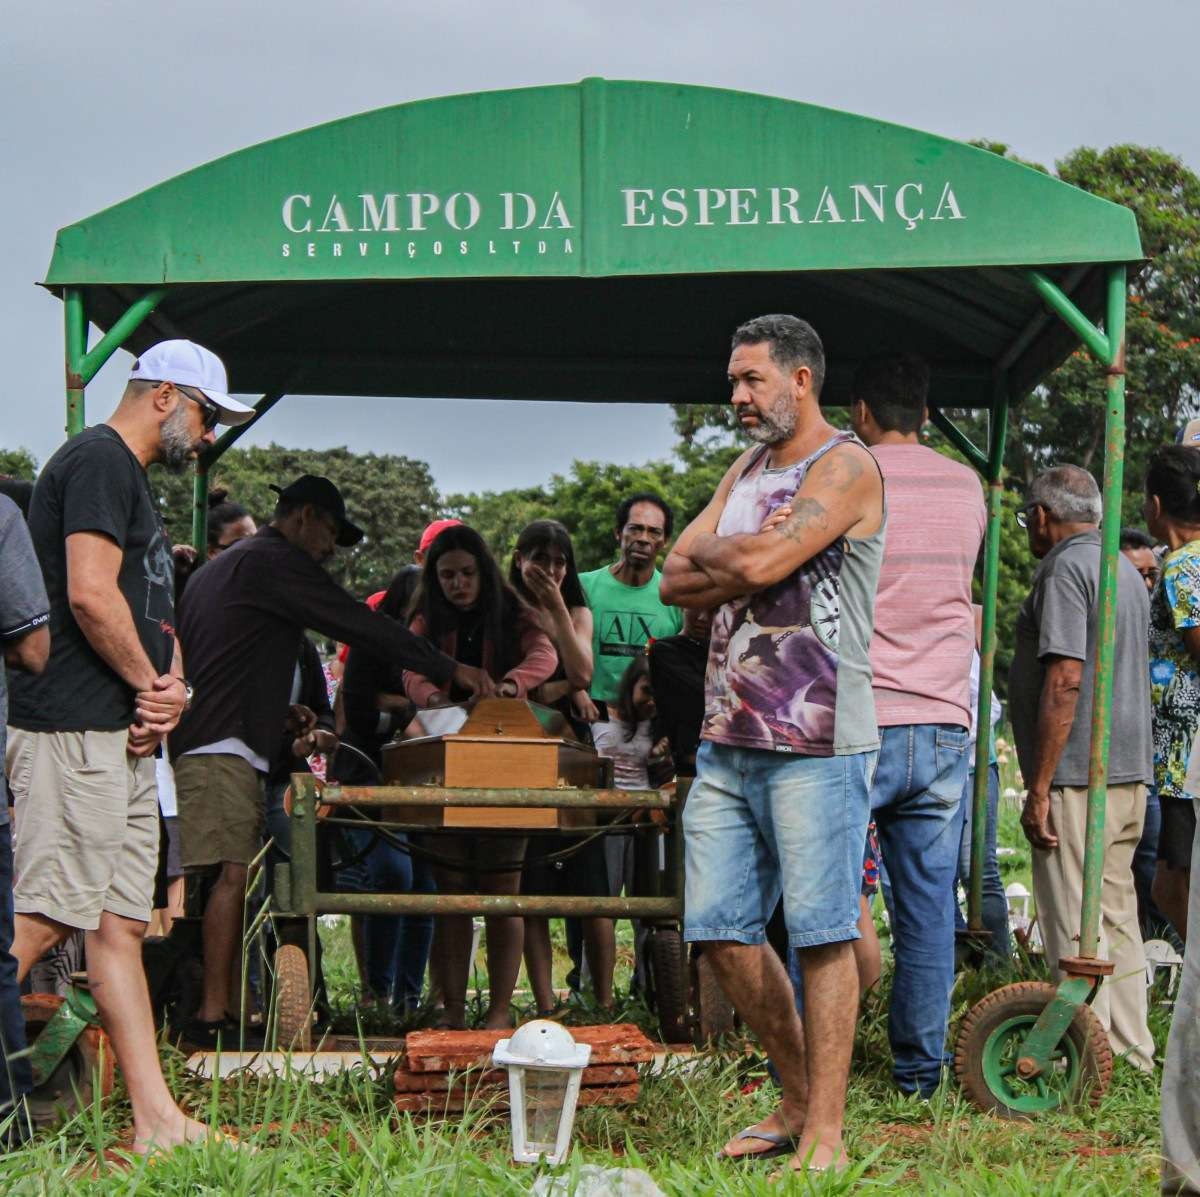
{"x":343,"y":1137}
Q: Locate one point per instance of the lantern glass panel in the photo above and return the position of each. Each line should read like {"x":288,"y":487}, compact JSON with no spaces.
{"x":545,"y":1095}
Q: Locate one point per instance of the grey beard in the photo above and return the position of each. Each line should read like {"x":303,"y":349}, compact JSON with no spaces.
{"x":176,"y":441}
{"x":775,"y":426}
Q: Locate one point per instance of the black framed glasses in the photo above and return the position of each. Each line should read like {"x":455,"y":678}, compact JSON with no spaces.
{"x":1023,"y":514}
{"x":212,"y":413}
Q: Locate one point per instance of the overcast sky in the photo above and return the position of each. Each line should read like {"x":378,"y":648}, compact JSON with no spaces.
{"x":100,"y":101}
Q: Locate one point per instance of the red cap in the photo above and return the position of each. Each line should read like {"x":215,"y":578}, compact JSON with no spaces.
{"x":434,"y":531}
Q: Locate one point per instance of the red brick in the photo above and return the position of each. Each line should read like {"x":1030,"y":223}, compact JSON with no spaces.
{"x":444,"y":1051}
{"x":430,"y":1082}
{"x":497,"y":1099}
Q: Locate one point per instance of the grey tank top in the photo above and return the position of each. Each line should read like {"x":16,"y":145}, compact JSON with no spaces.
{"x":789,"y":668}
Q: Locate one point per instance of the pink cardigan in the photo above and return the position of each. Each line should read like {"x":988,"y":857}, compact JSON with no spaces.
{"x":539,"y":660}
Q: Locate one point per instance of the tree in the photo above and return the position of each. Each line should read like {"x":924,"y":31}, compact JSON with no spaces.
{"x":18,"y":463}
{"x":391,"y":498}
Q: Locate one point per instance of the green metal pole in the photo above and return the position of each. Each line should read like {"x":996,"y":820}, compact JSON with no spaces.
{"x":123,"y":327}
{"x":1106,"y":621}
{"x":304,"y":844}
{"x":200,"y":508}
{"x":959,"y":439}
{"x":997,"y":435}
{"x":75,"y":320}
{"x":1099,"y":343}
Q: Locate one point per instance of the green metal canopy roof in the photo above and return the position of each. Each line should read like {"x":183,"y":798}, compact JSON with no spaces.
{"x":598,"y":241}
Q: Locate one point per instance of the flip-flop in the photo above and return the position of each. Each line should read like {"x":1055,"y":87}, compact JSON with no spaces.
{"x":781,"y":1143}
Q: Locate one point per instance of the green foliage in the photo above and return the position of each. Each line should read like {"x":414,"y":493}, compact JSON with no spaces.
{"x":391,"y":498}
{"x":18,"y":463}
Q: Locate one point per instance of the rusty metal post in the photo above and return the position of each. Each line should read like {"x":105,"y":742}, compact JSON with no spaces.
{"x":75,"y":321}
{"x":304,"y":844}
{"x":200,"y":509}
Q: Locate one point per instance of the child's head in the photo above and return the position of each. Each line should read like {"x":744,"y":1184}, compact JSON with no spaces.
{"x":546,"y":545}
{"x":635,"y":696}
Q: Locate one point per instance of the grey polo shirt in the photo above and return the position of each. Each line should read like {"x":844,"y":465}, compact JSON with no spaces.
{"x":1058,"y":618}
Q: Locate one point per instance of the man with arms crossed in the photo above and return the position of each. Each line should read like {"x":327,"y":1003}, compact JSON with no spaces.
{"x":83,"y":736}
{"x":781,"y":797}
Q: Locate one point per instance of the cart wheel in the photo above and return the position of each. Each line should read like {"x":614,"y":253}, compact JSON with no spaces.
{"x":714,"y":1011}
{"x":667,"y":970}
{"x":293,"y":1000}
{"x":985,"y":1055}
{"x":85,"y":1072}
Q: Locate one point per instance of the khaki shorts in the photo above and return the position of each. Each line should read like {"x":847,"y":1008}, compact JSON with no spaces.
{"x":86,"y":823}
{"x":222,"y":810}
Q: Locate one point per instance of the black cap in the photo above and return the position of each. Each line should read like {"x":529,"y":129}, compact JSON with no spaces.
{"x":320,"y":492}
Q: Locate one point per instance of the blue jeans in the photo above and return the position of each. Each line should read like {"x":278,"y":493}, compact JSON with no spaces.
{"x":916,"y":803}
{"x":16,"y":1077}
{"x":396,"y":946}
{"x":1145,"y":862}
{"x":995,"y":904}
{"x":759,"y":824}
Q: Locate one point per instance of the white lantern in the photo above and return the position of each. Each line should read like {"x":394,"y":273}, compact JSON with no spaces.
{"x":545,"y":1067}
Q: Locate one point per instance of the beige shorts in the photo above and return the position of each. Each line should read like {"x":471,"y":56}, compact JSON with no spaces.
{"x":85,"y":826}
{"x":222,"y":810}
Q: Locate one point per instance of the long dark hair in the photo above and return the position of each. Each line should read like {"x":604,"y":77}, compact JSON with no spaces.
{"x":547,"y":534}
{"x":1173,"y":478}
{"x":639,"y":668}
{"x":222,"y":511}
{"x":498,"y":604}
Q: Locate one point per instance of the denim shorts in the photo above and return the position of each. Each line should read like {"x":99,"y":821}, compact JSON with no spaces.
{"x":758,"y":824}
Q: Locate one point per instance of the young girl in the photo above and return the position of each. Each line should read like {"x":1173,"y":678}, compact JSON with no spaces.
{"x":464,"y":606}
{"x":543,"y":573}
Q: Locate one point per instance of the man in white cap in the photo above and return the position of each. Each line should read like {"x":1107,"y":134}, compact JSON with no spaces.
{"x":83,"y":734}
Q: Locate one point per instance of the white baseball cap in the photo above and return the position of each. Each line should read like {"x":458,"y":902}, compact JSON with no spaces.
{"x":191,"y":365}
{"x":1189,"y":434}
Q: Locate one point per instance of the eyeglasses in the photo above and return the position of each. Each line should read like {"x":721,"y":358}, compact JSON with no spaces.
{"x":1023,"y":514}
{"x":212,"y":413}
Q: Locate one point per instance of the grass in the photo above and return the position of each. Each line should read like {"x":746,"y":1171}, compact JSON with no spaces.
{"x":343,"y":1136}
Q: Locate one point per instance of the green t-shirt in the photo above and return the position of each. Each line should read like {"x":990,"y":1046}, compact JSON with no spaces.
{"x":624,"y":618}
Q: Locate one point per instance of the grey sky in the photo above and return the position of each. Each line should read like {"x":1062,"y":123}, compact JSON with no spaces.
{"x":103,"y":100}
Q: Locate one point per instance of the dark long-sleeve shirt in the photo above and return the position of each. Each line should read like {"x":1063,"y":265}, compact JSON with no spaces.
{"x":239,"y":627}
{"x":314,"y":694}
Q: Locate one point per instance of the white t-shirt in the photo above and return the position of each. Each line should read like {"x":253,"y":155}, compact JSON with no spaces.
{"x":628,"y":756}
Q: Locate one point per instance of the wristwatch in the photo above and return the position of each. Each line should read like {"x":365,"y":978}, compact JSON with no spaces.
{"x":189,"y":691}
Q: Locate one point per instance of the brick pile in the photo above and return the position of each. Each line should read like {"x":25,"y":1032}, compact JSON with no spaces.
{"x":442,"y":1070}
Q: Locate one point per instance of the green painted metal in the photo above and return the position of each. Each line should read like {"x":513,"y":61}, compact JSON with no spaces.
{"x":959,"y":439}
{"x":1096,"y":341}
{"x":75,"y":336}
{"x":1051,"y":1025}
{"x":119,"y":333}
{"x":454,"y":796}
{"x":540,"y":905}
{"x":200,"y":508}
{"x":997,"y":436}
{"x":77,"y":1013}
{"x":231,"y":436}
{"x":551,"y":220}
{"x":304,"y":844}
{"x":999,"y":1070}
{"x":1106,"y":620}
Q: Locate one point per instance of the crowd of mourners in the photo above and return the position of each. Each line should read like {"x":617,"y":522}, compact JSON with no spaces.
{"x":808,"y":656}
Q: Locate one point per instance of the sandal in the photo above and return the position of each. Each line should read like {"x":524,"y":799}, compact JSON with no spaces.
{"x":779,"y":1143}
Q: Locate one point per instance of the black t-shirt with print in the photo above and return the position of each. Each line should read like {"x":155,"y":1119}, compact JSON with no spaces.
{"x":95,"y":484}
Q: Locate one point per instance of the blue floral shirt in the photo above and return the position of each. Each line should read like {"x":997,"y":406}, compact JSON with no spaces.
{"x":1174,"y":674}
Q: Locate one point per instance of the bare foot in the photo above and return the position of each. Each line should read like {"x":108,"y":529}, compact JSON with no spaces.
{"x":814,"y":1155}
{"x":498,"y":1020}
{"x":172,"y":1128}
{"x":778,"y":1125}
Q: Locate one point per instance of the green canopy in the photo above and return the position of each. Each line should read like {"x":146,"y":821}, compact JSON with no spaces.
{"x":598,"y":241}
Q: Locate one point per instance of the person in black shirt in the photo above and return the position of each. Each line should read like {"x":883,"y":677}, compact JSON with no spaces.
{"x":84,"y":732}
{"x":240,"y":622}
{"x":677,"y":665}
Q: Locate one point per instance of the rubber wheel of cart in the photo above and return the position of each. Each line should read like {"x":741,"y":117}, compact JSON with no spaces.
{"x":989,"y":1042}
{"x":293,"y":1000}
{"x":668,"y":973}
{"x":714,"y":1013}
{"x":85,"y":1072}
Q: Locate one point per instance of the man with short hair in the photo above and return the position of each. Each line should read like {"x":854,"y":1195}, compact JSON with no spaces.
{"x":240,"y":621}
{"x":84,"y":732}
{"x":1139,"y":546}
{"x":25,"y":638}
{"x":921,"y":664}
{"x":624,"y":597}
{"x":780,"y":803}
{"x":1050,"y":686}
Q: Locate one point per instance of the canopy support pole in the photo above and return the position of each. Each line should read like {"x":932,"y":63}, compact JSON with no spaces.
{"x":209,"y":458}
{"x":959,"y":439}
{"x":997,"y":435}
{"x":83,"y":364}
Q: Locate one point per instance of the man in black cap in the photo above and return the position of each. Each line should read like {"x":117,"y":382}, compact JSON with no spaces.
{"x":240,"y":624}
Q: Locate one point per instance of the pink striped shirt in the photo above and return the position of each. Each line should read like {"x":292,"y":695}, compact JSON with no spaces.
{"x":924,"y":623}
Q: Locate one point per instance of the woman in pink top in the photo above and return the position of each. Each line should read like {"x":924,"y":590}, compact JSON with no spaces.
{"x":464,"y":606}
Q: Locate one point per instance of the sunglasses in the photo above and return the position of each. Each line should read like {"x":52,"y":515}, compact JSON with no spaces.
{"x":212,"y":413}
{"x":1023,"y":514}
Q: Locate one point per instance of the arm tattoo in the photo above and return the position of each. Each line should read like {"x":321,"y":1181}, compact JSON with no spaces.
{"x":807,"y":514}
{"x":841,"y":471}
